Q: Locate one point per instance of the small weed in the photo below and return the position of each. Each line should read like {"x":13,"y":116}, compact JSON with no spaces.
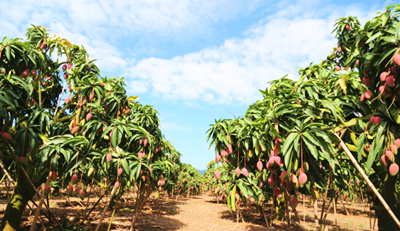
{"x":171,"y":211}
{"x":54,"y":206}
{"x":362,"y":225}
{"x":307,"y":215}
{"x":350,"y":224}
{"x":126,"y":209}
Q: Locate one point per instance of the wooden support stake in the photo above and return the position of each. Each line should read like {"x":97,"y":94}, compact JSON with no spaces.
{"x":316,"y":211}
{"x":344,"y":206}
{"x":334,"y":211}
{"x":369,"y":183}
{"x":326,"y":193}
{"x":40,"y":204}
{"x":304,"y":208}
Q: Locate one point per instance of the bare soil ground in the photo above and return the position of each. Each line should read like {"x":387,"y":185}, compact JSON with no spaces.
{"x":196,"y":213}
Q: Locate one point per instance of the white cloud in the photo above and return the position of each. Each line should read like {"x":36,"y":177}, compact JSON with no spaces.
{"x":125,"y":18}
{"x":235,"y":71}
{"x":294,"y":35}
{"x":171,"y":126}
{"x":104,"y":26}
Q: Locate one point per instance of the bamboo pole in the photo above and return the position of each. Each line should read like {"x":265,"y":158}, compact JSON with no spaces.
{"x":8,"y":193}
{"x":328,"y":209}
{"x":316,"y":212}
{"x":326,"y":193}
{"x":334,"y":211}
{"x":241,"y":215}
{"x":273,"y":208}
{"x":370,"y":217}
{"x":362,"y":199}
{"x":6,"y":172}
{"x":287,"y":208}
{"x":304,"y":208}
{"x":40,"y":204}
{"x":369,"y":183}
{"x":344,"y":206}
{"x":237,"y":213}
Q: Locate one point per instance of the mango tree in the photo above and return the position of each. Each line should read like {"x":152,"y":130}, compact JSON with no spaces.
{"x":97,"y":133}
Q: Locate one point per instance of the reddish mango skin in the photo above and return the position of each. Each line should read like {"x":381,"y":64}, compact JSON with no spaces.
{"x":237,"y":172}
{"x":396,"y":59}
{"x":302,"y":179}
{"x":217,"y":174}
{"x":245,"y":172}
{"x":393,"y":169}
{"x":384,"y":160}
{"x":5,"y":135}
{"x":259,"y":166}
{"x":377,"y":120}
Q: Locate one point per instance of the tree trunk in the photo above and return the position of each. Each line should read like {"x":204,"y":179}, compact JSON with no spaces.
{"x":385,"y":222}
{"x":20,"y":197}
{"x":279,"y":204}
{"x":117,"y":195}
{"x":22,"y":193}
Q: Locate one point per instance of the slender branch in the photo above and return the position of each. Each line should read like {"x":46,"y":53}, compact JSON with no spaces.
{"x":5,"y":171}
{"x":105,"y":208}
{"x":65,"y":118}
{"x":40,"y":93}
{"x":94,"y":206}
{"x":59,"y":98}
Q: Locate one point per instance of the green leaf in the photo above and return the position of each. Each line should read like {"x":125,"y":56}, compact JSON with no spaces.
{"x":310,"y":145}
{"x":374,"y":37}
{"x":397,"y":34}
{"x":390,"y":39}
{"x":289,"y":142}
{"x":386,"y":53}
{"x":360,"y":147}
{"x":242,"y":188}
{"x":233,"y":198}
{"x":138,"y":171}
{"x":331,"y":107}
{"x":125,"y":166}
{"x":395,"y":114}
{"x":7,"y":50}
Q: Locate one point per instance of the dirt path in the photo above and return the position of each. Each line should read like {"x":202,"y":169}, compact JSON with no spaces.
{"x":198,"y":213}
{"x":203,"y":213}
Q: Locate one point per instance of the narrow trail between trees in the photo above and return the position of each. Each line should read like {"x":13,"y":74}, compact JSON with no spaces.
{"x":196,"y":213}
{"x":203,"y":213}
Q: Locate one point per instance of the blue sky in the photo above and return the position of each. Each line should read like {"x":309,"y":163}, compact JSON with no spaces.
{"x":197,"y":60}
